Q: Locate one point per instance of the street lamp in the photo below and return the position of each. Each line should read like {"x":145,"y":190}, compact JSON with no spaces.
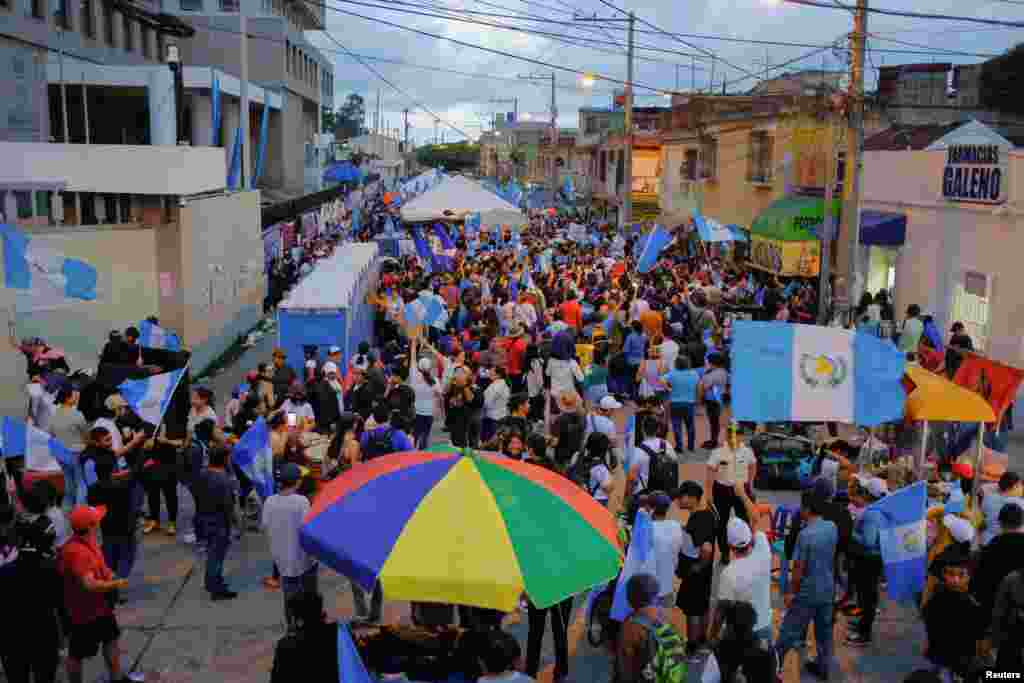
{"x":587,"y":81}
{"x":173,"y":59}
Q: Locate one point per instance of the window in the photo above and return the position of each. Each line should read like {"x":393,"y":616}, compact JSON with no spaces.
{"x":24,"y":203}
{"x":144,"y":32}
{"x":108,"y":24}
{"x":161,"y":47}
{"x":709,"y":158}
{"x":38,"y":9}
{"x":760,"y":158}
{"x":689,"y":169}
{"x":191,"y":5}
{"x":62,"y":16}
{"x":129,"y":34}
{"x":87,"y":20}
{"x":228,"y":5}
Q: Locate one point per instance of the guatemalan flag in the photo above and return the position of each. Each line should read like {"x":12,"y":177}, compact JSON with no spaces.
{"x":253,"y":456}
{"x":427,"y":309}
{"x":653,"y":246}
{"x":711,"y":230}
{"x":640,"y":559}
{"x":150,"y":397}
{"x":785,"y":372}
{"x":153,"y":336}
{"x":904,"y":540}
{"x":42,"y":452}
{"x":44,"y":272}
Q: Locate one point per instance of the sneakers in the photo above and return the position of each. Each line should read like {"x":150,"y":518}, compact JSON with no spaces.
{"x":220,"y":596}
{"x":149,"y":527}
{"x":858,"y":640}
{"x":172,"y":529}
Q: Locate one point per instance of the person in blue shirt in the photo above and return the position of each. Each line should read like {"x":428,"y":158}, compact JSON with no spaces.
{"x":866,"y":553}
{"x":812,"y":585}
{"x":682,"y":382}
{"x":375,"y":442}
{"x":634,"y":349}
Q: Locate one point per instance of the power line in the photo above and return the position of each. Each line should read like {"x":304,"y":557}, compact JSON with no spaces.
{"x":943,"y":51}
{"x":911,"y":15}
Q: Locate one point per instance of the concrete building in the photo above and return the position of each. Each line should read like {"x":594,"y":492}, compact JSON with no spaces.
{"x":384,"y":151}
{"x":280,"y":60}
{"x":805,"y":82}
{"x":163,"y":235}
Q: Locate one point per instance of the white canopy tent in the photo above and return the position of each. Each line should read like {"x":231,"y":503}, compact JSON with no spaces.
{"x":425,"y":179}
{"x":461,"y":197}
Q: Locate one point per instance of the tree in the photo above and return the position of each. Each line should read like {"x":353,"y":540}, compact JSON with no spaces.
{"x":347,"y":122}
{"x":1001,"y":80}
{"x":330,"y":120}
{"x":454,"y":156}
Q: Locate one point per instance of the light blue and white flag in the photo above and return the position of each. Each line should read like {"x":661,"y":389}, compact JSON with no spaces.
{"x":640,"y":559}
{"x":472,"y":225}
{"x":711,"y":230}
{"x":150,"y":397}
{"x":655,"y":243}
{"x":904,"y":540}
{"x":956,"y":502}
{"x":42,"y":452}
{"x":786,"y":372}
{"x":31,"y":265}
{"x":253,"y":456}
{"x":427,"y":309}
{"x":153,"y":336}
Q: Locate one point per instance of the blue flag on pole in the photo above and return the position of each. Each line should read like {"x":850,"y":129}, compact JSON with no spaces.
{"x":215,"y":113}
{"x":655,"y":243}
{"x":42,"y":452}
{"x":784,"y":372}
{"x":150,"y":397}
{"x":904,"y":540}
{"x":152,"y":336}
{"x":253,"y":456}
{"x":640,"y":559}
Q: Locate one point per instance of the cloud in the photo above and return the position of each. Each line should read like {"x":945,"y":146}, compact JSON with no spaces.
{"x":465,"y":101}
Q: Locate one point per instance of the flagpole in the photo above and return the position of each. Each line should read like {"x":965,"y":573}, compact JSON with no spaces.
{"x":977,"y":465}
{"x":924,"y":450}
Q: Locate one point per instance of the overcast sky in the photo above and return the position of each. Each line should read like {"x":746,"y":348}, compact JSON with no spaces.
{"x":465,"y":101}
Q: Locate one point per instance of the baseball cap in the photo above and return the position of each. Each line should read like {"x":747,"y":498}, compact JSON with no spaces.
{"x":330,"y":367}
{"x":964,"y":470}
{"x":738,"y":533}
{"x":959,"y":528}
{"x":290,"y":473}
{"x":334,"y":349}
{"x":85,"y":517}
{"x":311,"y":364}
{"x":425,"y":364}
{"x":609,"y":403}
{"x":661,"y":503}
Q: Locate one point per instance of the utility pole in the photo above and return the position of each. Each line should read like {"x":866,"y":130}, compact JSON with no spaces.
{"x":626,"y":215}
{"x":855,"y":148}
{"x":406,"y":145}
{"x":828,"y":226}
{"x":554,"y":130}
{"x":693,"y":74}
{"x":376,"y":118}
{"x":244,"y":99}
{"x":435,"y":131}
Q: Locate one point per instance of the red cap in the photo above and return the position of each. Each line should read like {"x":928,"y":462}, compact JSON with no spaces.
{"x":964,"y":470}
{"x":85,"y":517}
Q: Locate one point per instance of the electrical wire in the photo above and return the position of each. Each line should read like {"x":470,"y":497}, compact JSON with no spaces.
{"x":984,"y":55}
{"x":911,"y":15}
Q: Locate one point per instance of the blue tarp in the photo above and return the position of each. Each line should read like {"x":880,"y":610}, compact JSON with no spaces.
{"x":882,"y":229}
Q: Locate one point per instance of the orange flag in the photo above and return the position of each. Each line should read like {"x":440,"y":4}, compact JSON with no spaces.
{"x":997,"y":382}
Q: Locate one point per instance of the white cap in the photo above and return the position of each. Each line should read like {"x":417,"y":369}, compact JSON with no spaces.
{"x":311,"y":364}
{"x":738,"y":533}
{"x":334,"y":349}
{"x":425,"y":365}
{"x":330,"y":367}
{"x":959,"y":528}
{"x":609,"y":403}
{"x":876,"y":487}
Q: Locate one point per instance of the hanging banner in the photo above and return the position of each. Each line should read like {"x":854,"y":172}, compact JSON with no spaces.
{"x":801,"y":259}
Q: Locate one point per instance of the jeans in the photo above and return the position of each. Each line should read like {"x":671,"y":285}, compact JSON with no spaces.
{"x":488,"y":428}
{"x":682,"y":413}
{"x":294,"y":585}
{"x":794,"y":627}
{"x":560,"y":615}
{"x":714,"y":410}
{"x":167,"y":484}
{"x":421,"y":431}
{"x":217,"y":537}
{"x":119,"y":553}
{"x":865,"y":576}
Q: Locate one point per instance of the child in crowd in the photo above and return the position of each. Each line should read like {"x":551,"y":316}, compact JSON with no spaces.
{"x":953,"y":619}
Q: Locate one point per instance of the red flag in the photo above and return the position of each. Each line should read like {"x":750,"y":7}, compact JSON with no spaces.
{"x":996,"y":382}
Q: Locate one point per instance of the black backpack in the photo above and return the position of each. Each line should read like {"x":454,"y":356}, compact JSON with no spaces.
{"x":664,"y":474}
{"x":379,"y":443}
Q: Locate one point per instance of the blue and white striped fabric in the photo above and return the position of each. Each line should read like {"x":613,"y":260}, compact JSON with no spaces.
{"x":150,"y":397}
{"x":711,"y":230}
{"x":655,"y":243}
{"x":31,"y":265}
{"x":427,"y":309}
{"x":904,"y":540}
{"x":423,"y":250}
{"x":42,"y":452}
{"x":472,"y":224}
{"x":640,"y":559}
{"x":785,"y":372}
{"x":253,"y":456}
{"x":153,"y":336}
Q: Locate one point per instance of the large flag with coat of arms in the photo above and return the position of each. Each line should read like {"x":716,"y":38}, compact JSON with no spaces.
{"x":784,"y":372}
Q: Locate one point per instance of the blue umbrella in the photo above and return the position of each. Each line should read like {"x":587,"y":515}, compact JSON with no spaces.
{"x":343,"y":172}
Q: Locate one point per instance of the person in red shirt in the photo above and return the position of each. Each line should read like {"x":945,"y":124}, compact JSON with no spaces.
{"x":88,"y":585}
{"x":515,"y":353}
{"x":572,"y":313}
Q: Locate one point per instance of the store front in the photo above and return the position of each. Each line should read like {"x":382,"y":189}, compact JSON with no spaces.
{"x":954,"y":206}
{"x":785,"y":237}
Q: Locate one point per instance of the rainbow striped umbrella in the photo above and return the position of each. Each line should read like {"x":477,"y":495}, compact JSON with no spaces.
{"x":477,"y":529}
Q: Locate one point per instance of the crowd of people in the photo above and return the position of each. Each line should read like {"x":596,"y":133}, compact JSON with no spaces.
{"x":555,"y":350}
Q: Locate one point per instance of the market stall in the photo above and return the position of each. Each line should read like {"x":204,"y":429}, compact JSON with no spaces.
{"x":784,"y":239}
{"x":454,"y":198}
{"x":329,"y":307}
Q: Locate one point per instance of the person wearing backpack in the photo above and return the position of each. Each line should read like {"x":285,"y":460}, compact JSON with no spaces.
{"x":649,"y":650}
{"x":384,"y":438}
{"x":655,"y":464}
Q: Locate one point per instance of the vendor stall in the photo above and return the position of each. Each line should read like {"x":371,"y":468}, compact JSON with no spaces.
{"x":329,"y":307}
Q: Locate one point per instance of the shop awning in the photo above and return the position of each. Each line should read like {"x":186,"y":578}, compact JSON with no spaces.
{"x":793,"y":219}
{"x":882,"y":228}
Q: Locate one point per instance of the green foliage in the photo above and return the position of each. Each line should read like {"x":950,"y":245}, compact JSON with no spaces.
{"x":347,"y":122}
{"x":1002,"y":79}
{"x":455,"y":156}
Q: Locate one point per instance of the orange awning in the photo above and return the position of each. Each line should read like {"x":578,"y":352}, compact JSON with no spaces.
{"x":934,"y":398}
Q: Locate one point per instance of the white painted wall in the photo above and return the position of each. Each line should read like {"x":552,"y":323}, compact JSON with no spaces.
{"x":125,"y":169}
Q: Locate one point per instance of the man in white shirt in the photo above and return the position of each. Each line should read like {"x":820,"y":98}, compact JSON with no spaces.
{"x":669,"y":350}
{"x":748,"y":578}
{"x":638,"y":308}
{"x":729,"y":468}
{"x":668,"y":541}
{"x":639,"y":477}
{"x":283,"y":514}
